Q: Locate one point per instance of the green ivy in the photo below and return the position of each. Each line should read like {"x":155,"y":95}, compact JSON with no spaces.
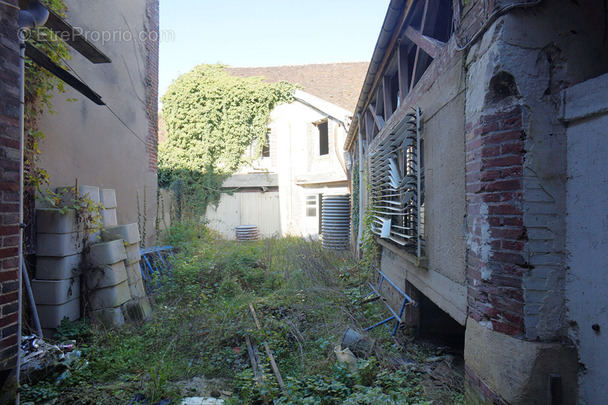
{"x":40,"y":87}
{"x":211,"y":119}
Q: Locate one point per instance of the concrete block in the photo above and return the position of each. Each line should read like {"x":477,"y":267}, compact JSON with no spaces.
{"x":59,"y":244}
{"x":107,"y":276}
{"x":91,"y":192}
{"x":130,"y":233}
{"x":107,"y":196}
{"x":52,"y":220}
{"x":108,"y":317}
{"x":55,"y":292}
{"x":133,"y":273}
{"x":108,"y":217}
{"x":137,"y":289}
{"x":107,"y":253}
{"x":138,"y":309}
{"x":51,"y":315}
{"x":58,"y":268}
{"x":94,"y":237}
{"x":110,"y":297}
{"x":133,"y":254}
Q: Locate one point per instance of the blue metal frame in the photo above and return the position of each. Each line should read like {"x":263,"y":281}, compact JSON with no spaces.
{"x":153,"y":261}
{"x":406,"y":301}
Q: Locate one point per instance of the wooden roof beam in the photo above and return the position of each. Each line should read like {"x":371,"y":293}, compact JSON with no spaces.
{"x":431,"y":46}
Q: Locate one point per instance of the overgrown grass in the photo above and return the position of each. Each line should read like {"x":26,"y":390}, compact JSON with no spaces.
{"x":305,"y":298}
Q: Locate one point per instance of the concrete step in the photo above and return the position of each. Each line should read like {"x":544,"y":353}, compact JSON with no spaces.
{"x":51,"y":315}
{"x":55,"y":292}
{"x":59,"y":244}
{"x":107,"y":276}
{"x":110,"y":297}
{"x":107,"y":196}
{"x":107,"y":253}
{"x":130,"y":233}
{"x":108,"y":217}
{"x":52,"y":220}
{"x":58,"y":268}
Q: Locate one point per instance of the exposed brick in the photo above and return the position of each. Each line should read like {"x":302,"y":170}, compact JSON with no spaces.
{"x":10,"y":309}
{"x":9,"y":230}
{"x":9,"y":251}
{"x":7,"y":298}
{"x":494,"y":174}
{"x":502,"y":137}
{"x":10,"y":263}
{"x":503,"y":161}
{"x":9,"y":287}
{"x":9,"y":341}
{"x":507,"y":328}
{"x":9,"y":319}
{"x":504,"y":209}
{"x":10,"y":241}
{"x":8,"y":331}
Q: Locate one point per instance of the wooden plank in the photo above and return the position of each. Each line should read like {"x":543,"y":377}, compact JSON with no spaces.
{"x":75,"y":39}
{"x":273,"y":364}
{"x":388,"y":103}
{"x":429,"y":45}
{"x":377,"y":118}
{"x":403,"y":71}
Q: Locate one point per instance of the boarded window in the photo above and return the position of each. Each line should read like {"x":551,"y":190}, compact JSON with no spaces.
{"x":323,"y":139}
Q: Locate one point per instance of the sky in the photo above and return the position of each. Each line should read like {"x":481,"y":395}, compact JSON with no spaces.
{"x":255,"y":33}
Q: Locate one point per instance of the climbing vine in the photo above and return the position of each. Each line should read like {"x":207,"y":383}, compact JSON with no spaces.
{"x":40,"y":87}
{"x":211,"y":119}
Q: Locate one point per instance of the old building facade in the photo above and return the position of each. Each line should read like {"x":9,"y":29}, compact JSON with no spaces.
{"x":477,"y":204}
{"x":97,"y":145}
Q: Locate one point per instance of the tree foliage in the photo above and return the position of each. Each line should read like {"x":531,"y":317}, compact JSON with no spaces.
{"x":212,"y":118}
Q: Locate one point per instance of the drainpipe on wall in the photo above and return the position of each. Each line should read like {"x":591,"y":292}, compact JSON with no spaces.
{"x":33,"y":17}
{"x":361,"y":186}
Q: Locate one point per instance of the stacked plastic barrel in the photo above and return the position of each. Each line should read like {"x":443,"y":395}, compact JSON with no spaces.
{"x":335,"y":228}
{"x":247,"y":232}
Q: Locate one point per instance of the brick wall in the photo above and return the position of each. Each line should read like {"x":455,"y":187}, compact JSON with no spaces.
{"x":494,"y":188}
{"x":9,"y":189}
{"x":152,"y":51}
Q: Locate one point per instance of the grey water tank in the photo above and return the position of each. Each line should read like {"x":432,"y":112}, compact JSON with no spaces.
{"x":335,"y":227}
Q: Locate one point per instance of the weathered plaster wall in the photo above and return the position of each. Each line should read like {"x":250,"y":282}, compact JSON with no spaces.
{"x":586,"y":112}
{"x":88,"y":142}
{"x":440,"y":95}
{"x":516,"y":184}
{"x":9,"y":197}
{"x":298,"y":162}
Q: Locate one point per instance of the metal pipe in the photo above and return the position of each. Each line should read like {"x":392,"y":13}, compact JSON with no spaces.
{"x":361,"y":186}
{"x":21,"y":186}
{"x":30,"y":296}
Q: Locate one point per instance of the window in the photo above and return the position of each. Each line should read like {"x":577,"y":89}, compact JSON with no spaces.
{"x":397,"y":177}
{"x":323,"y":138}
{"x":311,"y":205}
{"x":266,"y":146}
